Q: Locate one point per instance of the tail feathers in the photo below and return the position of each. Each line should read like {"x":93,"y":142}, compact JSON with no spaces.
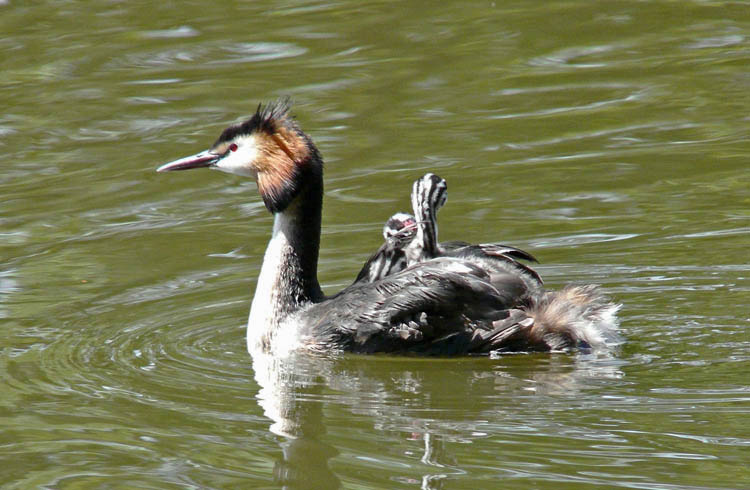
{"x":574,"y":317}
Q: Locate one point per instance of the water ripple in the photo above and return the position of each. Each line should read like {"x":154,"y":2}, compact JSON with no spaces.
{"x":178,"y":32}
{"x":573,"y":240}
{"x":717,"y":42}
{"x":565,"y":57}
{"x":562,"y":109}
{"x":254,"y":52}
{"x":207,"y":54}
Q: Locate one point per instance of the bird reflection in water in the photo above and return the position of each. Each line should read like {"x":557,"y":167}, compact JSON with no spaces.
{"x":421,"y":404}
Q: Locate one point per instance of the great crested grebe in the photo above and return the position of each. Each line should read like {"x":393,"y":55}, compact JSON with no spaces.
{"x":390,"y":258}
{"x":442,"y":306}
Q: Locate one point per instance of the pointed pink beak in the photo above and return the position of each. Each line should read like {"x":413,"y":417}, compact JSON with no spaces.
{"x":202,"y":159}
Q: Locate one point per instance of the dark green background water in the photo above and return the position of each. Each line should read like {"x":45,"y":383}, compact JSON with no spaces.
{"x":608,"y":138}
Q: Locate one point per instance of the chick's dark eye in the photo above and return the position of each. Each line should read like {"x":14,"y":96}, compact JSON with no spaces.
{"x":233,"y":147}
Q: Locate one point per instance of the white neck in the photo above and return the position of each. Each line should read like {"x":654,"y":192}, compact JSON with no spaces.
{"x":268,"y":307}
{"x":288,"y":280}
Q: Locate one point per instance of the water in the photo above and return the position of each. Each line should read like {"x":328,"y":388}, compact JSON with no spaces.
{"x":607,"y":138}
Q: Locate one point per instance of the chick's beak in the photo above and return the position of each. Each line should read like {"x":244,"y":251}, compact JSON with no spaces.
{"x":202,"y":159}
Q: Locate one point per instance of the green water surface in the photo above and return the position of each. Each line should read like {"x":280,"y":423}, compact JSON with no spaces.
{"x":610,"y":139}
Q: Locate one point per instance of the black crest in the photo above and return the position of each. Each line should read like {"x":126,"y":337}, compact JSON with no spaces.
{"x":266,"y":119}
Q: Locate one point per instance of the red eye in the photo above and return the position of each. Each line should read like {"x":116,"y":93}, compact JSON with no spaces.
{"x":233,"y":147}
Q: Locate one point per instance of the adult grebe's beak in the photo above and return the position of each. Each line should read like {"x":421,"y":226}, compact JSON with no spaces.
{"x":202,"y":159}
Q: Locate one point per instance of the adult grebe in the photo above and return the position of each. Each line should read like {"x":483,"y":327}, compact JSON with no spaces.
{"x":390,"y":258}
{"x":441,"y":306}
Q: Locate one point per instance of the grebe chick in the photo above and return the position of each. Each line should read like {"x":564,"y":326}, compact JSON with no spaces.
{"x":441,"y":306}
{"x":429,"y":194}
{"x":398,"y":232}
